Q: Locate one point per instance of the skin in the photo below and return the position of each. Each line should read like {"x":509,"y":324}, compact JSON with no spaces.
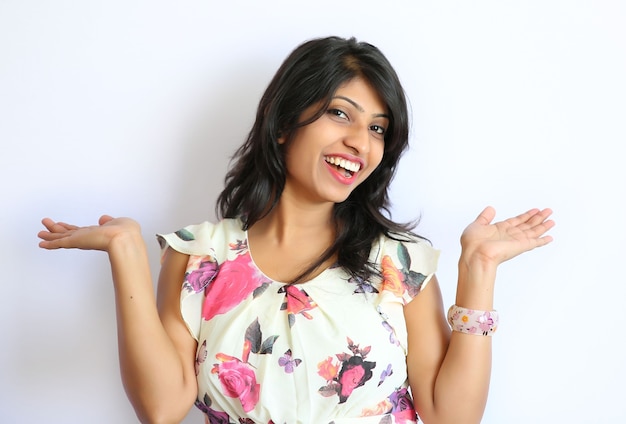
{"x":441,"y":364}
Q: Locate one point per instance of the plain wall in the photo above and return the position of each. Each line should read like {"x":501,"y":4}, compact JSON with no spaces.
{"x":132,"y":108}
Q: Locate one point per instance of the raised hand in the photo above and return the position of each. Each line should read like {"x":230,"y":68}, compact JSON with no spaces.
{"x":60,"y":235}
{"x":501,"y":241}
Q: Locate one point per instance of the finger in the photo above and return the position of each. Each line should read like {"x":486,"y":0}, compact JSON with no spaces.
{"x":49,"y":236}
{"x":532,"y":222}
{"x":539,"y":217}
{"x":486,"y":216}
{"x":48,"y":223}
{"x":57,"y":227}
{"x":52,"y":240}
{"x":48,"y":245}
{"x":44,"y":235}
{"x":104,"y":219}
{"x":542,"y":241}
{"x":522,"y":219}
{"x":67,"y":226}
{"x":540,"y":229}
{"x":539,"y":222}
{"x":536,"y":235}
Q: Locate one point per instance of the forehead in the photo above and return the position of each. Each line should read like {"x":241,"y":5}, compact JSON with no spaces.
{"x":361,"y":92}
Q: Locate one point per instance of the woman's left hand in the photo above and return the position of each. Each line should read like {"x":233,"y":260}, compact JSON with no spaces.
{"x":501,"y":241}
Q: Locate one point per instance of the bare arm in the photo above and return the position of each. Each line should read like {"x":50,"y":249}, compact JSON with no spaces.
{"x":156,"y":350}
{"x":449,"y":372}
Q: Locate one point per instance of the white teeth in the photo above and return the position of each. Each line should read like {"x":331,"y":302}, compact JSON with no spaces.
{"x":345,"y":164}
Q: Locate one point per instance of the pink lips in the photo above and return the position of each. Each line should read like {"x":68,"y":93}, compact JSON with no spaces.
{"x":340,"y":174}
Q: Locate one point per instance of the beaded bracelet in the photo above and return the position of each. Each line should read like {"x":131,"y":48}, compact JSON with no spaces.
{"x":471,"y":321}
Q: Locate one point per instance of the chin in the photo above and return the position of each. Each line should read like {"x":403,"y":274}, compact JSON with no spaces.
{"x":341,"y":199}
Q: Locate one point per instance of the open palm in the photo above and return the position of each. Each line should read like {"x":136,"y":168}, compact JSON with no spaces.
{"x":60,"y":235}
{"x":501,"y":241}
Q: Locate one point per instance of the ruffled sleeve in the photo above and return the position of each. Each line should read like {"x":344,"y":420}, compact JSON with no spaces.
{"x":407,"y":267}
{"x":204,"y":243}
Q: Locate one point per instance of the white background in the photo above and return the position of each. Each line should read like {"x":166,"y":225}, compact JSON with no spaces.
{"x":133,"y":108}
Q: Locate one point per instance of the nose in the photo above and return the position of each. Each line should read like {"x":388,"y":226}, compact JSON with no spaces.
{"x":358,"y":139}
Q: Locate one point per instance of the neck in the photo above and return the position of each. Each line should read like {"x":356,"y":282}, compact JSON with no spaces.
{"x":290,"y":239}
{"x":289,"y":221}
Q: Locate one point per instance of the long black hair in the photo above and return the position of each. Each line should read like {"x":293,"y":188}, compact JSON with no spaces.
{"x":311,"y":75}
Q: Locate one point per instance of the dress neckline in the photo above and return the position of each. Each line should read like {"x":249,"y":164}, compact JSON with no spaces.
{"x":307,"y":282}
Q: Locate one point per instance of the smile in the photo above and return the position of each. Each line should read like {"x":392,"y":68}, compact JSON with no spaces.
{"x":349,"y":166}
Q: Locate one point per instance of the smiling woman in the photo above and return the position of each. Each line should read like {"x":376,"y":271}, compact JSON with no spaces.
{"x":328,"y":158}
{"x":306,"y":302}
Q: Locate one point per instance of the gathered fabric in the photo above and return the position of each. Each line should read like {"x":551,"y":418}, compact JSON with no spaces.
{"x":329,"y":350}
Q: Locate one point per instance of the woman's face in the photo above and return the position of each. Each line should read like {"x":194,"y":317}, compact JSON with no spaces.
{"x":330,"y":157}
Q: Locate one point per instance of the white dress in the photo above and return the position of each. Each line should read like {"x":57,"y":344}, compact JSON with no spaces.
{"x":330,"y":350}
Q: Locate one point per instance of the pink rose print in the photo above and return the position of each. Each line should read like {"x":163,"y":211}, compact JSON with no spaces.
{"x":238,"y":381}
{"x":236,"y":280}
{"x":296,"y":302}
{"x":236,"y":376}
{"x":351,"y":376}
{"x":355,"y":372}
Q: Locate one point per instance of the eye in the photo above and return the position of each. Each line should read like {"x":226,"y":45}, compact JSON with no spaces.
{"x":337,"y":112}
{"x":378,"y":129}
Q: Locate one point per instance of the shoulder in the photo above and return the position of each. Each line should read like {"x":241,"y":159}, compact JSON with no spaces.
{"x":406,"y":262}
{"x":205,"y":238}
{"x":406,"y":250}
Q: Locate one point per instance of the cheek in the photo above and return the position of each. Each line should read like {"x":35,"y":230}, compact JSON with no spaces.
{"x":376,"y":153}
{"x":370,"y":171}
{"x":375,"y":158}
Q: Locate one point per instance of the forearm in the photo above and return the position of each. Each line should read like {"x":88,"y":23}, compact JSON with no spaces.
{"x":462,"y":385}
{"x":151,"y":368}
{"x":456,"y":389}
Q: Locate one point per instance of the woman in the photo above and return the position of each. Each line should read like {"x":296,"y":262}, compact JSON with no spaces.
{"x":306,"y":303}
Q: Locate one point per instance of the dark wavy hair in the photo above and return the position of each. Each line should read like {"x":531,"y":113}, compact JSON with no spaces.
{"x":309,"y":76}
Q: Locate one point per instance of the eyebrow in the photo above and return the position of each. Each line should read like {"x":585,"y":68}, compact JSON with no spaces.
{"x":359,"y":107}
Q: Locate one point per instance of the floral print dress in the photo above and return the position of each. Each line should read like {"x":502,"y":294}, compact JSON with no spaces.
{"x":330,"y":350}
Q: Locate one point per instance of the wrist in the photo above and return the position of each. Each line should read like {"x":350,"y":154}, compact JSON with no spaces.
{"x":126,"y":242}
{"x":130,"y":267}
{"x":477,"y":262}
{"x":475,"y":288}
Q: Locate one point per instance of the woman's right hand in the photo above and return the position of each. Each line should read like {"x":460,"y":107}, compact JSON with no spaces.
{"x":60,"y":235}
